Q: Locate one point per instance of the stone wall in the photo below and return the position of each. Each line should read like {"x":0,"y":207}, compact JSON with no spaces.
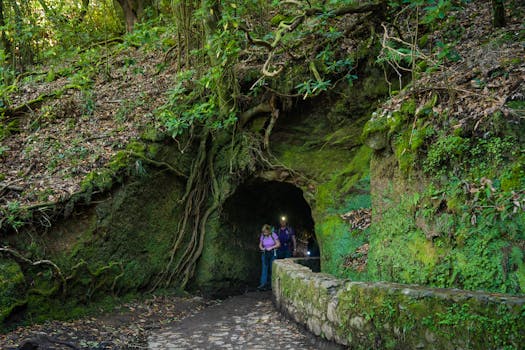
{"x":366,"y":315}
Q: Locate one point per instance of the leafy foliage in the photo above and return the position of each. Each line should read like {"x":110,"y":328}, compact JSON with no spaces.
{"x":44,"y":30}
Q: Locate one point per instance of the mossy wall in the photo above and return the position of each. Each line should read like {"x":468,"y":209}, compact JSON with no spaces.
{"x":12,"y":284}
{"x":230,"y":260}
{"x":447,"y":209}
{"x":367,"y":315}
{"x":322,"y":140}
{"x":115,"y":245}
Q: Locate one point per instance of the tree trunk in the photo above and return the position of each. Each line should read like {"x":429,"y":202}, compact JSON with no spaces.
{"x":133,"y":11}
{"x":6,"y":45}
{"x":23,"y":55}
{"x":189,"y":33}
{"x":224,"y":92}
{"x":498,"y":13}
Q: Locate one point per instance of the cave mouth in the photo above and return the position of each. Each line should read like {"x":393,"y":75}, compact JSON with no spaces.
{"x":231,"y":261}
{"x":257,"y":202}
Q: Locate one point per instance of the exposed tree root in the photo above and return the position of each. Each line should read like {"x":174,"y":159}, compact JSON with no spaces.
{"x":273,"y":120}
{"x":188,"y":228}
{"x":158,"y":164}
{"x":19,"y":257}
{"x":263,"y":107}
{"x":28,"y":107}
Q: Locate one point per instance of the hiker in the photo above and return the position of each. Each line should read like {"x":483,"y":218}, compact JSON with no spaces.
{"x":268,"y":244}
{"x":287,"y":239}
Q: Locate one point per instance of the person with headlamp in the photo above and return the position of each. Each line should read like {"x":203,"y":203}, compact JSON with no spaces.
{"x":286,"y":236}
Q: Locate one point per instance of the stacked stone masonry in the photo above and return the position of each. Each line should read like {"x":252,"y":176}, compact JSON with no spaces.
{"x":380,"y":315}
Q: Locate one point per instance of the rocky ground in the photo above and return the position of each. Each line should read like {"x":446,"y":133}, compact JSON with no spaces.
{"x":248,"y":321}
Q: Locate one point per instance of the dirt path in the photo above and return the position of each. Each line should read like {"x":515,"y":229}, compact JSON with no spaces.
{"x":248,"y":321}
{"x":126,"y":327}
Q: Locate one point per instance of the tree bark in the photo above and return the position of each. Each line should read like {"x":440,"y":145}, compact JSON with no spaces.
{"x":133,"y":11}
{"x":212,"y":8}
{"x":498,"y":13}
{"x":6,"y":45}
{"x":25,"y":54}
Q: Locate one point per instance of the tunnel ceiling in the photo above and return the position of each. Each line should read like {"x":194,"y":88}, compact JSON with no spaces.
{"x":259,"y":202}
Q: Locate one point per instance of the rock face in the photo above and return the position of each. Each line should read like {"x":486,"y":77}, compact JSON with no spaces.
{"x":366,"y":315}
{"x":377,"y":141}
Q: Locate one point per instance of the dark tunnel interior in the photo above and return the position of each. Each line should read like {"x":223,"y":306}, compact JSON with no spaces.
{"x":236,"y":263}
{"x":259,"y":202}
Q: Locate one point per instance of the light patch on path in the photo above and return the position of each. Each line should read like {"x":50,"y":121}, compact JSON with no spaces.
{"x":248,"y":321}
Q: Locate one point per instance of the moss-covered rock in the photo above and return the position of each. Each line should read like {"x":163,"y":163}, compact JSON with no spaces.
{"x":13,"y":288}
{"x":230,"y":260}
{"x":337,"y":163}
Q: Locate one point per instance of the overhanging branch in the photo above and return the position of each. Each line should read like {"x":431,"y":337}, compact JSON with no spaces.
{"x":263,"y":107}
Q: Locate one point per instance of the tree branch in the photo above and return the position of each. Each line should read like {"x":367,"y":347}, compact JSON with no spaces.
{"x":246,"y":116}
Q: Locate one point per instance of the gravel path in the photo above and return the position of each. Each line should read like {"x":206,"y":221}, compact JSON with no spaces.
{"x":248,"y":321}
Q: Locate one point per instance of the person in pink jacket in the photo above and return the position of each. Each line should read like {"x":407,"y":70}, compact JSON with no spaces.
{"x":268,"y":244}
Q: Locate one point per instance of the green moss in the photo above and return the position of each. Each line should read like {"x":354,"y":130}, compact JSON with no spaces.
{"x":152,"y":134}
{"x":375,"y":124}
{"x":404,"y":153}
{"x":417,"y":242}
{"x":104,"y":178}
{"x":137,"y":147}
{"x":228,"y":261}
{"x":41,"y":308}
{"x":101,"y":179}
{"x":445,"y":153}
{"x":118,"y":246}
{"x":488,"y":327}
{"x":514,"y":178}
{"x":13,"y":291}
{"x":408,"y":107}
{"x":347,"y":189}
{"x":391,"y":316}
{"x":390,"y":122}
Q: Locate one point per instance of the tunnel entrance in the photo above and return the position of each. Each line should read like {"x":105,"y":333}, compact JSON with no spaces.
{"x":231,"y":262}
{"x":259,"y":202}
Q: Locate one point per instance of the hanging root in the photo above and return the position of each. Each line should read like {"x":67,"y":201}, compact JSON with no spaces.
{"x":190,"y":231}
{"x":204,"y":195}
{"x":275,"y":115}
